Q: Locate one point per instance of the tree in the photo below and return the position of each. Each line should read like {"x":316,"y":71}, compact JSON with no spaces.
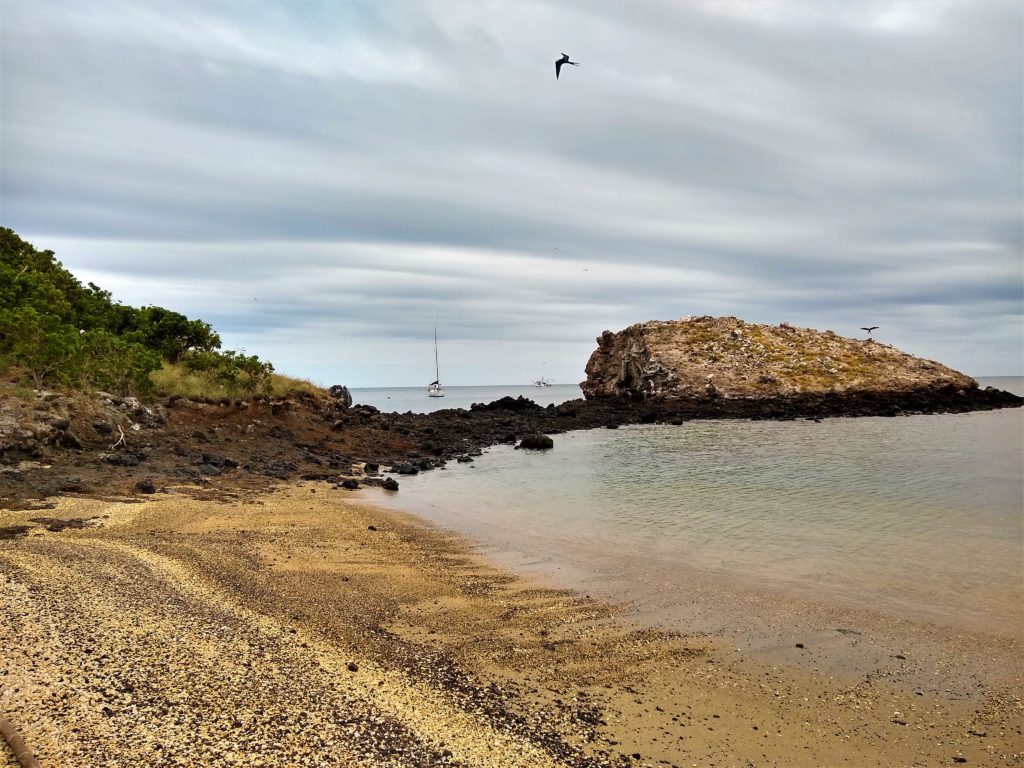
{"x":50,"y":350}
{"x":171,"y":333}
{"x":116,"y":365}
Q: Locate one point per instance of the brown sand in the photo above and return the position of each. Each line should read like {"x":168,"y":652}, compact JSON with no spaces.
{"x":305,"y":628}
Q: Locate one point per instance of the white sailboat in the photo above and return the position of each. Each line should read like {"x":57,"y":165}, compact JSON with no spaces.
{"x":435,"y":389}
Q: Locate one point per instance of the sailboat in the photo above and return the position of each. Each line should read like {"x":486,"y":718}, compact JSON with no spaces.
{"x":435,"y":389}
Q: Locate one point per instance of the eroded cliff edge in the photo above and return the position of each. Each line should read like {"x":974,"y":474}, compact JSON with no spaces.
{"x":725,"y":357}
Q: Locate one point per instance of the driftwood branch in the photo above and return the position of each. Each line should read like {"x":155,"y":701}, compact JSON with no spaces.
{"x":17,"y":744}
{"x":120,"y":441}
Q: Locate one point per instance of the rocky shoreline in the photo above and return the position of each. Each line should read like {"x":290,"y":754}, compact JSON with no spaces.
{"x":328,"y":629}
{"x":76,"y":443}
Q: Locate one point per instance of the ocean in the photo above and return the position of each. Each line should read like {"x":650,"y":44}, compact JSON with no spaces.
{"x":403,"y":399}
{"x":916,"y":517}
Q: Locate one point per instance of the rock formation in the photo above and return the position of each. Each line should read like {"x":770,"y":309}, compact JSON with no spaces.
{"x":724,"y":357}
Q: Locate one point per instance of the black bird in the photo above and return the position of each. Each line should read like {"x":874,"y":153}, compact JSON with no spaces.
{"x":869,"y":330}
{"x":561,"y":61}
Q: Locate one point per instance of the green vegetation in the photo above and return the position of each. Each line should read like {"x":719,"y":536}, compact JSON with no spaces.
{"x":56,"y":332}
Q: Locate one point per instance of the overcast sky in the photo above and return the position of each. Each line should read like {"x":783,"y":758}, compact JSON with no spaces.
{"x":317,"y":179}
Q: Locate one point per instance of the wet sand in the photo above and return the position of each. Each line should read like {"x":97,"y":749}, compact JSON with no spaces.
{"x":304,"y":627}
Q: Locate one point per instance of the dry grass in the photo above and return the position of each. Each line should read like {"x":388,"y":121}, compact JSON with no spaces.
{"x":174,"y":379}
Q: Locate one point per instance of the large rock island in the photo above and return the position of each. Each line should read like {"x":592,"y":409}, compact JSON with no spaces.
{"x":701,"y":358}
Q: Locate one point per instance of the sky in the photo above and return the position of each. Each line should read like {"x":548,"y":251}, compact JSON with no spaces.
{"x":321,"y":180}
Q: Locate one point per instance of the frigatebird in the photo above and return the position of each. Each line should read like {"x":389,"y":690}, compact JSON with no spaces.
{"x":561,"y":61}
{"x":869,"y":329}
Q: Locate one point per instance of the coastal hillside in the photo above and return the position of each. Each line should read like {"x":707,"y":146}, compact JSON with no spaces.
{"x":57,"y":333}
{"x":725,"y":357}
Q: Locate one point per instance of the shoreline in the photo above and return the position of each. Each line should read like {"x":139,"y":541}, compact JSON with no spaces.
{"x":822,"y":632}
{"x":253,"y":604}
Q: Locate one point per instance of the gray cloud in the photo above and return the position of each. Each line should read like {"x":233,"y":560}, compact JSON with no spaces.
{"x":317,"y":180}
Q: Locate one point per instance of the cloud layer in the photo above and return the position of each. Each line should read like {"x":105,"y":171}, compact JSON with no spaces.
{"x":319,"y":179}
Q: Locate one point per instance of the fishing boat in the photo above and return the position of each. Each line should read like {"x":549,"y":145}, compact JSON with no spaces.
{"x":435,"y":389}
{"x":542,"y":382}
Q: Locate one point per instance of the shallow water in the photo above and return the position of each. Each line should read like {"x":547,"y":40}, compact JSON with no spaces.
{"x":919,"y":516}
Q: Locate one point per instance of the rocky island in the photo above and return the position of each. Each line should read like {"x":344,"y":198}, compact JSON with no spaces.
{"x":706,"y":358}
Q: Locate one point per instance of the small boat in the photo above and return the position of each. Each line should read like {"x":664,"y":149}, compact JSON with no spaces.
{"x":435,"y":389}
{"x":542,"y":382}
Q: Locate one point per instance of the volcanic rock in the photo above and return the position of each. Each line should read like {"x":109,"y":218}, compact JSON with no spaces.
{"x":536,"y":442}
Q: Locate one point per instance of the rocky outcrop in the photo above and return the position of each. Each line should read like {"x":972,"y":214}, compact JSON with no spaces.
{"x":702,"y":358}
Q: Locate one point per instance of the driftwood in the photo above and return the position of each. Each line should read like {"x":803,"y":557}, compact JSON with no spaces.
{"x":17,"y":744}
{"x":122,"y":441}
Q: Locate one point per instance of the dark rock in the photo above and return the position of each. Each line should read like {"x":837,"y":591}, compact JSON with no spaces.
{"x":282,"y":470}
{"x":69,"y":440}
{"x":123,"y":459}
{"x":221,"y":462}
{"x":350,"y":484}
{"x":507,"y":403}
{"x":371,"y":466}
{"x":405,"y":468}
{"x":352,"y":667}
{"x":536,"y":442}
{"x":390,"y":484}
{"x":145,"y":485}
{"x":341,"y":394}
{"x":371,"y":527}
{"x":56,"y":525}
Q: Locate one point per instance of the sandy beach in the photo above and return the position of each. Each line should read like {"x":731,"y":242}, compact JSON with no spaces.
{"x":304,"y":627}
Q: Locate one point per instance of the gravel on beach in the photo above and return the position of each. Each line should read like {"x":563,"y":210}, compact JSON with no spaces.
{"x":301,"y":627}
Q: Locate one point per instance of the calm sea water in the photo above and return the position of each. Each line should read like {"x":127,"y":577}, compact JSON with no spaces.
{"x":403,"y":399}
{"x":919,"y":516}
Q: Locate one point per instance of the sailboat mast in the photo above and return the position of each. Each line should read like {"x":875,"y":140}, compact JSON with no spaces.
{"x":437,"y":369}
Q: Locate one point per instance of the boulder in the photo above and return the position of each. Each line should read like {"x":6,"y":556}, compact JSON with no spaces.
{"x":536,"y":442}
{"x":507,"y":403}
{"x":716,"y":358}
{"x":341,"y":394}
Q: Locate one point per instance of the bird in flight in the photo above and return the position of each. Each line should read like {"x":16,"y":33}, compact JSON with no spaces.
{"x":869,"y":329}
{"x":561,"y":61}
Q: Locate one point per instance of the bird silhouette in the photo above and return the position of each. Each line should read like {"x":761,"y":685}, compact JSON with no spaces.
{"x":869,"y":329}
{"x":561,"y":61}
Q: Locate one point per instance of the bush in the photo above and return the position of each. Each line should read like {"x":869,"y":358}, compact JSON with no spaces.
{"x":234,"y":371}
